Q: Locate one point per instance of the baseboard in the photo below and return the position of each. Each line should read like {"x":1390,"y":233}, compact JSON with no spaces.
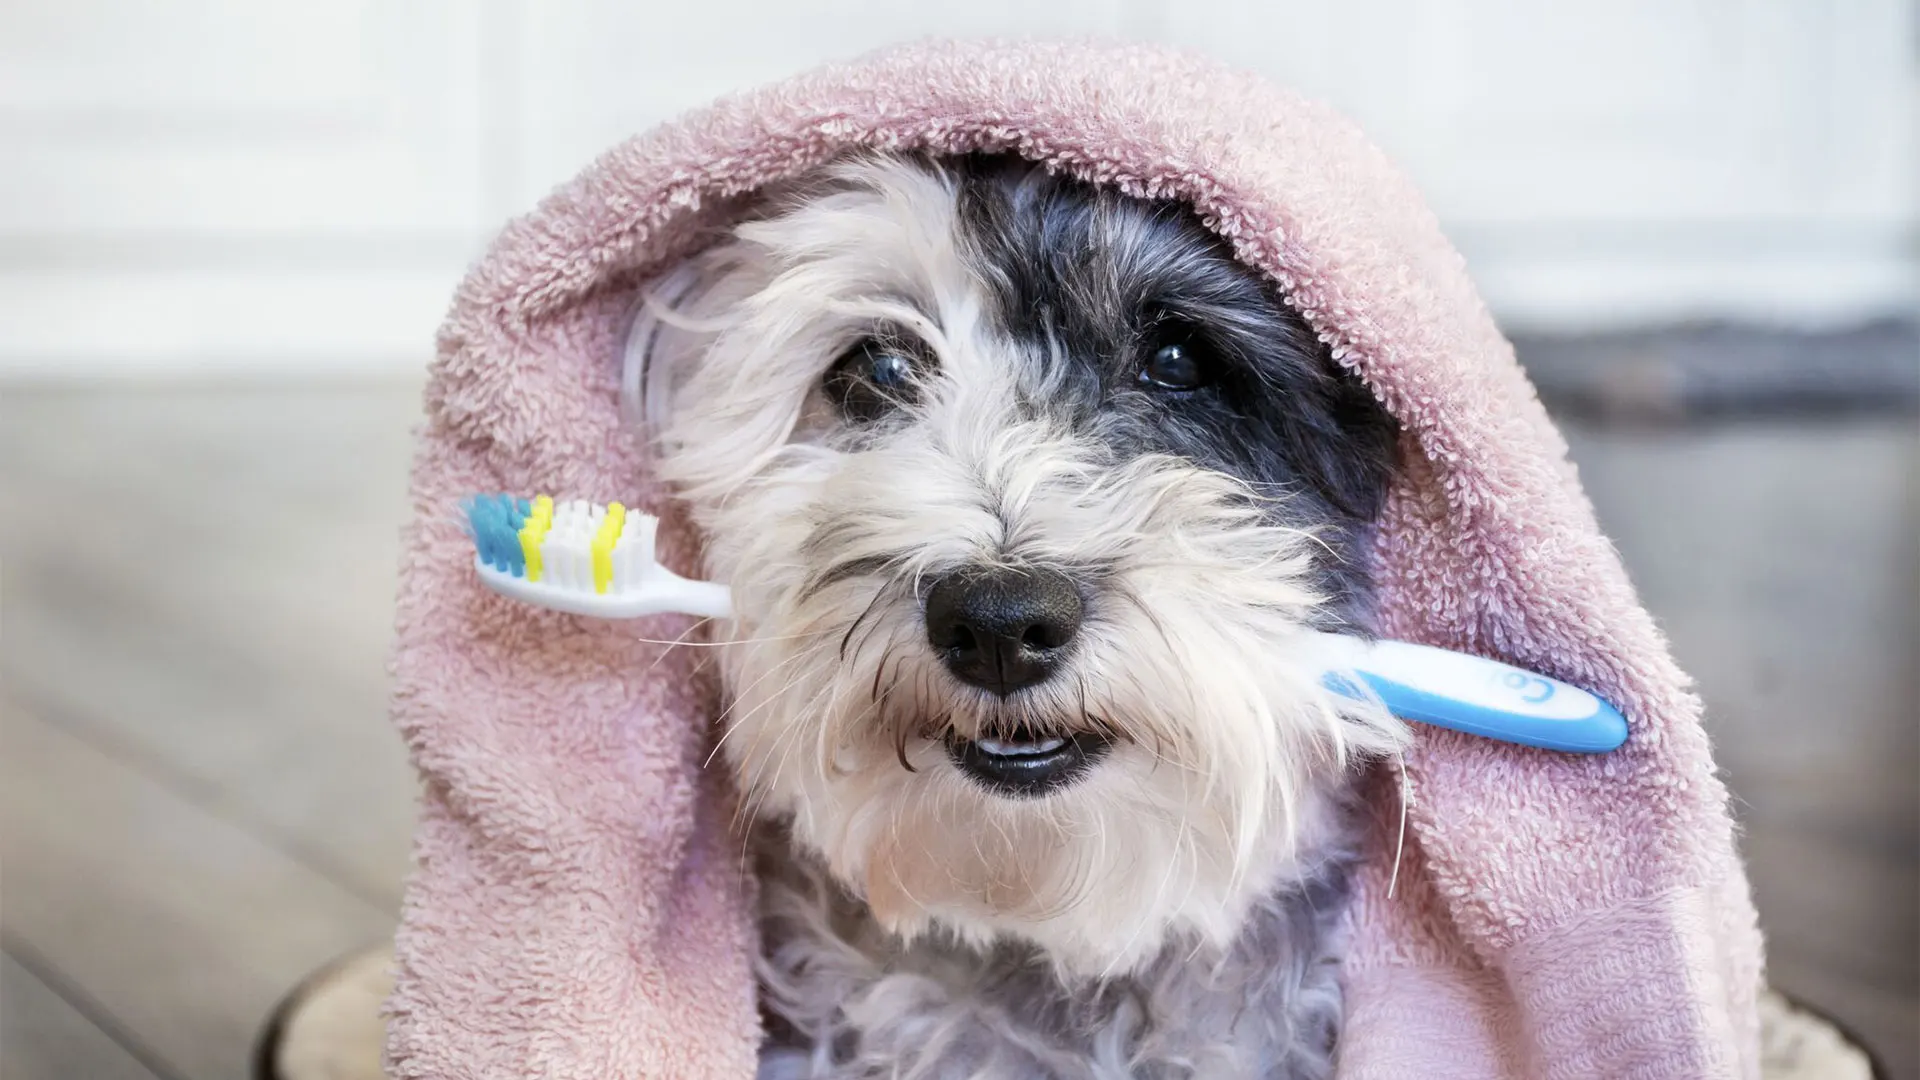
{"x":1727,"y":371}
{"x":1548,"y":282}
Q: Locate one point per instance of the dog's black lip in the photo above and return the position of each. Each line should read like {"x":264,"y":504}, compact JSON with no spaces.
{"x":1028,"y":775}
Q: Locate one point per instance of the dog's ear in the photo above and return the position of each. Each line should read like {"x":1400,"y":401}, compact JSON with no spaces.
{"x":659,"y":349}
{"x":1352,"y":449}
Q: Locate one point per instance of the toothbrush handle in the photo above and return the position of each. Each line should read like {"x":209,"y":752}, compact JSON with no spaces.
{"x":1476,"y":695}
{"x":706,"y":599}
{"x":662,"y":592}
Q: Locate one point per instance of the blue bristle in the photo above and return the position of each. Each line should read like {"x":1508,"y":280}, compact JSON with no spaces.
{"x":477,"y":521}
{"x":475,"y":508}
{"x":494,"y":522}
{"x":502,"y":505}
{"x":487,"y":536}
{"x":512,"y":558}
{"x":483,"y":514}
{"x":516,"y":516}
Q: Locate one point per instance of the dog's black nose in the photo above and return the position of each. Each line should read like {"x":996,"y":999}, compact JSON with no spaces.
{"x":1002,"y":628}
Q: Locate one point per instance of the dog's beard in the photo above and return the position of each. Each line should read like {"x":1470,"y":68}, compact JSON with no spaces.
{"x":1191,"y":662}
{"x":1192,"y":671}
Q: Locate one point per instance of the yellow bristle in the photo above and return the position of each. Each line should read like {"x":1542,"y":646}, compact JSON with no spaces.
{"x":603,"y":542}
{"x":533,"y":533}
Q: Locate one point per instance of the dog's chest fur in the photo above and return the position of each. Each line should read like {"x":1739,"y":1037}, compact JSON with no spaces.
{"x":846,"y":1000}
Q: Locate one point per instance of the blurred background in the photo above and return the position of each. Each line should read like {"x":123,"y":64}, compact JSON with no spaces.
{"x":227,"y":231}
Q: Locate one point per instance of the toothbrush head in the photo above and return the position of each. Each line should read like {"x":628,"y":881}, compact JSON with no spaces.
{"x":581,"y":558}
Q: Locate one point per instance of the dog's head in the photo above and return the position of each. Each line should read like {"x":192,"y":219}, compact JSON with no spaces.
{"x":1027,"y":491}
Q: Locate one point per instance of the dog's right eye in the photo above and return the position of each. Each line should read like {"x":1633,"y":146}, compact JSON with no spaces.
{"x":870,"y":380}
{"x":1178,"y":359}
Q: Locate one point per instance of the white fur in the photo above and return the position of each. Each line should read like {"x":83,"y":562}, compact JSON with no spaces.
{"x":1221,"y":786}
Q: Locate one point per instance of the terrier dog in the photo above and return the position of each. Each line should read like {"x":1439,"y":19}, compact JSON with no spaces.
{"x":1026,"y":490}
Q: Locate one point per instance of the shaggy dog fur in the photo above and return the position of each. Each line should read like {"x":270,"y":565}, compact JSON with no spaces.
{"x":1026,"y":491}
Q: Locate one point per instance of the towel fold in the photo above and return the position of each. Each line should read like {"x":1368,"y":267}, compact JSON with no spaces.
{"x":579,"y":909}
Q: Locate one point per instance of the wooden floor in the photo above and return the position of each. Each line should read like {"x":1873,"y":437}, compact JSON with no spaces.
{"x":200,"y":797}
{"x":201,"y":801}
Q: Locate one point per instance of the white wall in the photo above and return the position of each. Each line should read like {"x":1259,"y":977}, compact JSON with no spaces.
{"x":293,"y":184}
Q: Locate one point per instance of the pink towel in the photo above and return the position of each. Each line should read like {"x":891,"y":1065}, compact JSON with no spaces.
{"x":579,"y":910}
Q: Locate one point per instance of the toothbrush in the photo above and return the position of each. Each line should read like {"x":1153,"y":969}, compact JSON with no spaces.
{"x":1472,"y":694}
{"x":581,"y":558}
{"x":586,"y":559}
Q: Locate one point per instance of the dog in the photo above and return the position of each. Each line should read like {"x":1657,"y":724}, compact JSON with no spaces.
{"x":1028,"y":492}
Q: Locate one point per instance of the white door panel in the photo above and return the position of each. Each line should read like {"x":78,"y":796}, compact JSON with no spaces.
{"x":244,"y":182}
{"x":243,"y":117}
{"x":595,"y":72}
{"x":237,"y":185}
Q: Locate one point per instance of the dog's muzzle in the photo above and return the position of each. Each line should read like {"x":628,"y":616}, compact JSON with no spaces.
{"x":1004,"y":629}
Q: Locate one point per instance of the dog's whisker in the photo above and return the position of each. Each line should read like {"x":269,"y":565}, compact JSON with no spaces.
{"x":726,"y":719}
{"x":670,"y":645}
{"x":872,"y":605}
{"x":727,"y":728}
{"x":682,"y":642}
{"x":746,"y":692}
{"x":753,"y":752}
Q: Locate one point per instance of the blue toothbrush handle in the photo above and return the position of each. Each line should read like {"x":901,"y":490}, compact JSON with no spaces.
{"x":1476,"y":695}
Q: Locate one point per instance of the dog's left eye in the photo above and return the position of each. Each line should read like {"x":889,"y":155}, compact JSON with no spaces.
{"x":870,"y":379}
{"x":1178,"y":361}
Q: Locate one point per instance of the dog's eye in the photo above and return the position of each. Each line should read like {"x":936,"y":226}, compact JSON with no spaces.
{"x":871,"y":379}
{"x":1178,"y":361}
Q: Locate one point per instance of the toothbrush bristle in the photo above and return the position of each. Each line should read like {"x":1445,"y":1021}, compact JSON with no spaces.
{"x":495,"y":522}
{"x":573,"y":545}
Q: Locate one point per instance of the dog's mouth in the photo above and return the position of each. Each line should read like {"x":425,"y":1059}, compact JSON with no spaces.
{"x":1026,"y":763}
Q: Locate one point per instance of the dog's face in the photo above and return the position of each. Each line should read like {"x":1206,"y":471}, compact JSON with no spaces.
{"x":1026,"y":491}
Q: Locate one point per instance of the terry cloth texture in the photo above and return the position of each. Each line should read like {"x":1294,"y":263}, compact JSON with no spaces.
{"x":579,"y":912}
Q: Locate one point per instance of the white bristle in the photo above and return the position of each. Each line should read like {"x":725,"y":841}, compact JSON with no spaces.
{"x":639,"y":584}
{"x":635,"y":563}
